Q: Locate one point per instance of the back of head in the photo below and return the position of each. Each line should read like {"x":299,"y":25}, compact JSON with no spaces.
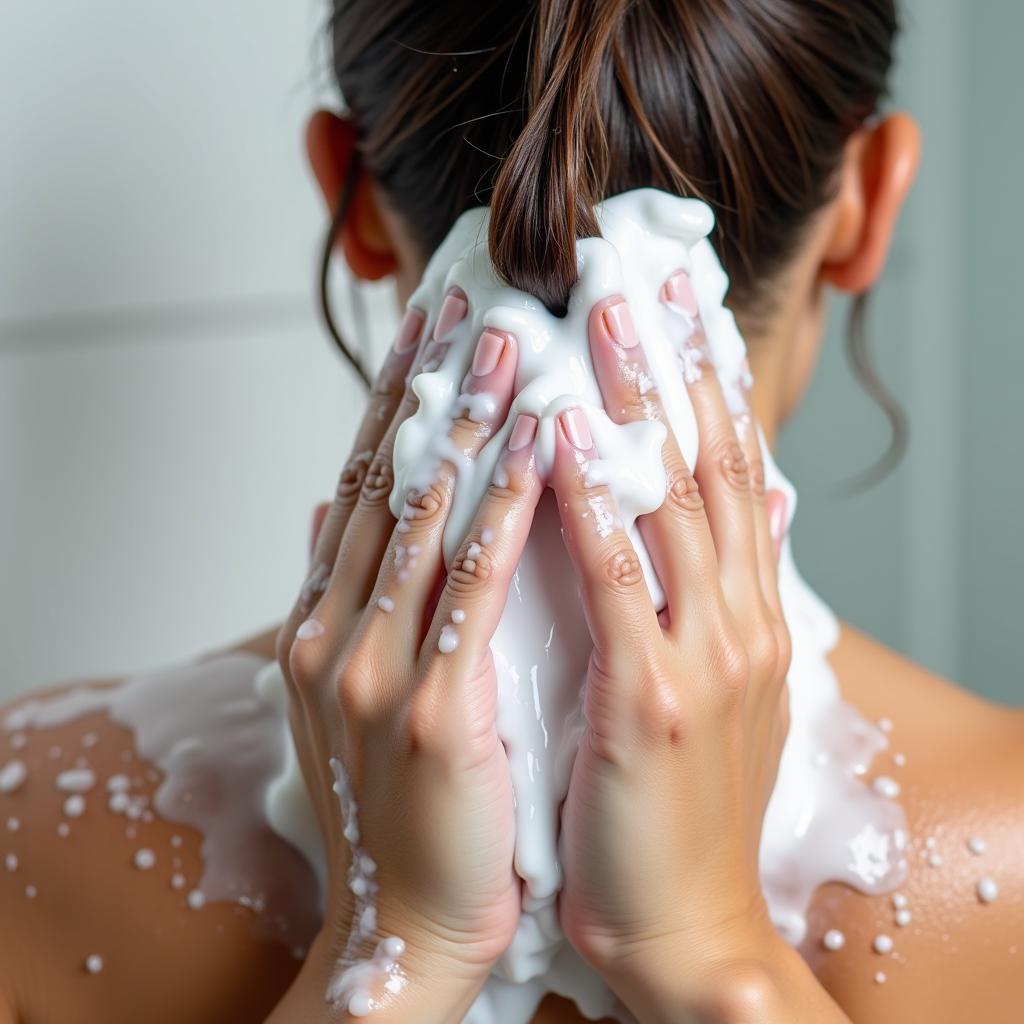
{"x":543,"y":109}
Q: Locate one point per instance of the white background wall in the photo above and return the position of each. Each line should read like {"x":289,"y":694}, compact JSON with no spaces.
{"x":170,"y":410}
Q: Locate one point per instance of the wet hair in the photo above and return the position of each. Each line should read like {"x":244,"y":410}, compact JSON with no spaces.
{"x":542,"y":108}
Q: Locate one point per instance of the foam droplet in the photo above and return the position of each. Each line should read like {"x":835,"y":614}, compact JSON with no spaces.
{"x":12,"y":775}
{"x":988,"y":890}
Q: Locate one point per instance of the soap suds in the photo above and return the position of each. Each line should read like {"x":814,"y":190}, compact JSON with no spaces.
{"x":833,"y":940}
{"x":76,"y":780}
{"x":12,"y":775}
{"x":448,"y":640}
{"x":358,"y":983}
{"x":988,"y":890}
{"x":93,"y":963}
{"x":144,"y":859}
{"x":74,"y":806}
{"x":212,"y":773}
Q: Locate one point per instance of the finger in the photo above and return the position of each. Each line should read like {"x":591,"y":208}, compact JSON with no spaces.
{"x":778,"y":510}
{"x":457,"y":646}
{"x":316,"y":525}
{"x":767,"y":560}
{"x":677,"y":534}
{"x":616,"y":601}
{"x":388,"y":396}
{"x":722,"y":472}
{"x":368,"y":529}
{"x":414,"y":561}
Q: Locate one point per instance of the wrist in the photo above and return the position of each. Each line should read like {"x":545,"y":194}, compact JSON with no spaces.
{"x":427,"y":986}
{"x":759,"y":981}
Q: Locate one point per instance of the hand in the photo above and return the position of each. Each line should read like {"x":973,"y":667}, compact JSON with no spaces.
{"x":391,"y":677}
{"x":686,"y":712}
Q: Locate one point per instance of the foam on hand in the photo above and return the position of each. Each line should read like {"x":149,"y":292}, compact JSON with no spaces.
{"x":221,"y":727}
{"x":823,"y":822}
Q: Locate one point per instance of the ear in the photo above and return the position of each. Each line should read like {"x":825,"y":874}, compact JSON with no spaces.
{"x":331,"y":150}
{"x":879,"y":167}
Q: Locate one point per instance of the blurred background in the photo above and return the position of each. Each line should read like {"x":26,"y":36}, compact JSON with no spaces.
{"x":171,"y":410}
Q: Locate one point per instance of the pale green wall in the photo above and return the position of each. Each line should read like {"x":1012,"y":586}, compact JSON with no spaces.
{"x":992,"y":487}
{"x":932,"y":560}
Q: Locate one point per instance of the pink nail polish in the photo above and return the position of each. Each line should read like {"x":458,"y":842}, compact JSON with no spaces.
{"x":618,"y":322}
{"x":523,"y":432}
{"x":576,"y":429}
{"x":679,"y":291}
{"x":409,"y":330}
{"x":488,"y":353}
{"x":453,"y":310}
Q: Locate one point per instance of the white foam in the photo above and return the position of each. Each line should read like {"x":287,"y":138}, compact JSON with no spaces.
{"x":823,"y":822}
{"x":988,"y":890}
{"x":359,"y":983}
{"x":76,"y":780}
{"x":12,"y":775}
{"x":214,"y":772}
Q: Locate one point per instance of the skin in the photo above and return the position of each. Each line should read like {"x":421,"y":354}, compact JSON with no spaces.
{"x":957,"y":961}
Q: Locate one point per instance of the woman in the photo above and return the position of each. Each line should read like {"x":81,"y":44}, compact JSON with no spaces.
{"x":768,"y":110}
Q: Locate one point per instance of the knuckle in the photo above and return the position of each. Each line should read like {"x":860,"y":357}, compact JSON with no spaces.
{"x":663,"y":710}
{"x":380,"y":478}
{"x":620,"y":569}
{"x":350,"y":482}
{"x":682,"y":491}
{"x":473,"y":567}
{"x":732,"y":464}
{"x":763,"y":654}
{"x":355,"y":691}
{"x":425,"y":507}
{"x":306,"y":664}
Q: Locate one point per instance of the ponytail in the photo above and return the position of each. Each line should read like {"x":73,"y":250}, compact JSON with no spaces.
{"x":558,"y":167}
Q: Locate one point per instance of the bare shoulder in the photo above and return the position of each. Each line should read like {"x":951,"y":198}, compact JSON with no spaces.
{"x":958,"y":946}
{"x":95,"y":919}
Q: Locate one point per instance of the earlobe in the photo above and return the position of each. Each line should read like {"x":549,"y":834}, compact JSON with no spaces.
{"x":331,"y":150}
{"x":870,"y":200}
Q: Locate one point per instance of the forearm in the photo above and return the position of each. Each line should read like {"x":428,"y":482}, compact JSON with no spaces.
{"x":773,"y":987}
{"x":431,"y":994}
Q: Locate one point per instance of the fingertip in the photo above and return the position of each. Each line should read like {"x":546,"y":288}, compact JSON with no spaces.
{"x":524,"y":432}
{"x":409,"y":330}
{"x":574,"y":428}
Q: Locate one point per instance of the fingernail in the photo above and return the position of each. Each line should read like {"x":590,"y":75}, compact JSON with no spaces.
{"x":576,"y":429}
{"x":776,"y":519}
{"x":618,"y":322}
{"x":409,"y":330}
{"x":679,"y":291}
{"x":523,"y":432}
{"x":453,"y":310}
{"x":488,"y":352}
{"x":310,"y":630}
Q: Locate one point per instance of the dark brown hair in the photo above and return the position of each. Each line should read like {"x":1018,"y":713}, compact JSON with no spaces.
{"x":543,"y":108}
